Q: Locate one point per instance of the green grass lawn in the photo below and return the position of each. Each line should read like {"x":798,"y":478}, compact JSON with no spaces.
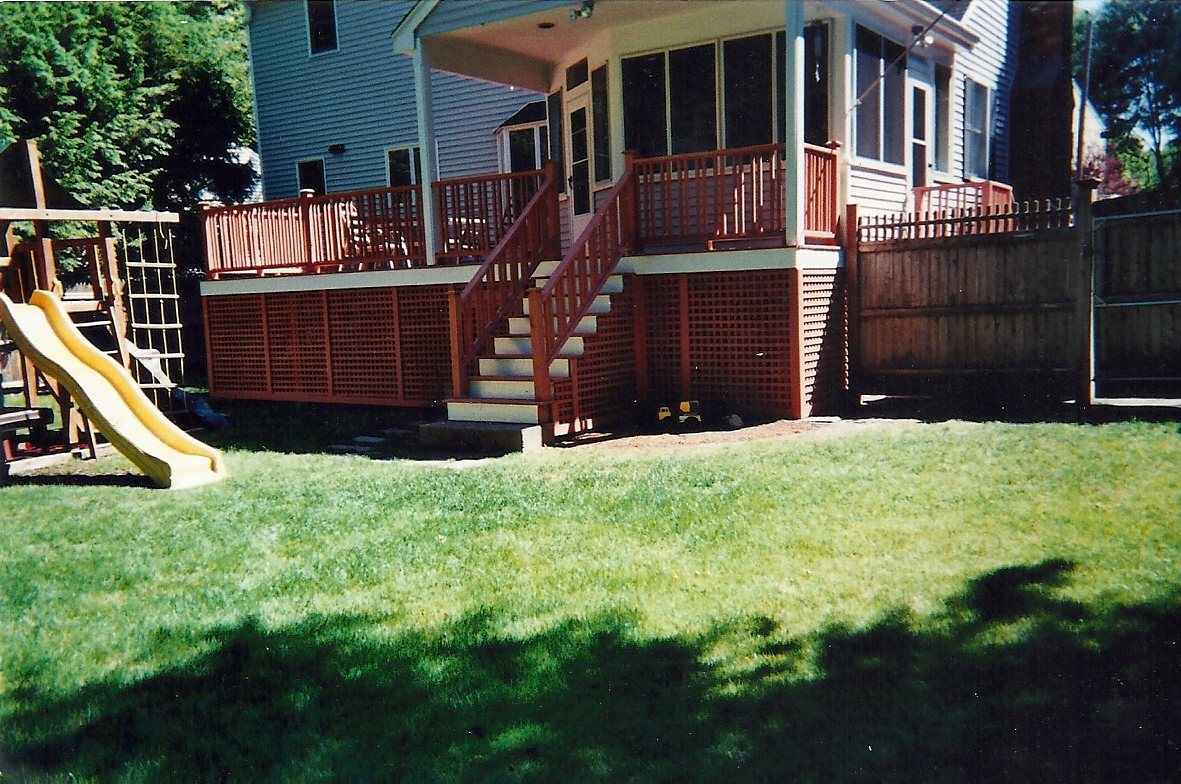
{"x":950,"y":602}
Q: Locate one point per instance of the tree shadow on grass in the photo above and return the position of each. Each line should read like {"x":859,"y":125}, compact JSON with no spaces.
{"x":1013,"y":685}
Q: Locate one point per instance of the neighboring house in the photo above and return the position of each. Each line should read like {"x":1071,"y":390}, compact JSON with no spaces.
{"x":334,"y":102}
{"x":704,"y":263}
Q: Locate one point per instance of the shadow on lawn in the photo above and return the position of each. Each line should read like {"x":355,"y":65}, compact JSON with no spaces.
{"x":1016,"y":685}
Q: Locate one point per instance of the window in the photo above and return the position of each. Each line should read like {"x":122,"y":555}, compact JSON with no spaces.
{"x":321,"y":25}
{"x":600,"y":123}
{"x":881,"y":91}
{"x":975,"y":130}
{"x":404,"y":166}
{"x":311,"y":176}
{"x":749,"y":86}
{"x":816,"y":78}
{"x":645,"y":122}
{"x":671,"y":103}
{"x":576,"y":74}
{"x":942,"y":118}
{"x":553,"y":104}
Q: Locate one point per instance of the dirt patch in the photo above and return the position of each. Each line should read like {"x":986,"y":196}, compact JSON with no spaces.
{"x":819,"y":427}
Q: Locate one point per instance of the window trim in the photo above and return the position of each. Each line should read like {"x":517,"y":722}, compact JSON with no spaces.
{"x":504,"y":146}
{"x":941,"y":138}
{"x":307,"y":18}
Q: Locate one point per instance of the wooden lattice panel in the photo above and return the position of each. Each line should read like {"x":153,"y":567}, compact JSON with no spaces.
{"x":740,"y":325}
{"x":825,"y":368}
{"x":365,"y":361}
{"x":662,"y":299}
{"x":298,"y":344}
{"x":236,"y":345}
{"x":605,"y":379}
{"x":425,"y":343}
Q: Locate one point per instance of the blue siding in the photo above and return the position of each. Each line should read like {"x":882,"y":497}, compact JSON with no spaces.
{"x":361,"y":96}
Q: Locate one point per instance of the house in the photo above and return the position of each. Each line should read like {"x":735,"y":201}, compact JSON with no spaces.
{"x":681,"y":242}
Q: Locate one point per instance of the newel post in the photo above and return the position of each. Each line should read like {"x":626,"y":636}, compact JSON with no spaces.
{"x":540,"y":326}
{"x":629,"y":212}
{"x":852,"y":306}
{"x":1084,"y":227}
{"x":458,"y":382}
{"x":305,"y":224}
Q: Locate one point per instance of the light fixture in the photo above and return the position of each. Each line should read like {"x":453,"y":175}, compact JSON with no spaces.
{"x":921,"y":36}
{"x":582,"y":12}
{"x":336,"y":149}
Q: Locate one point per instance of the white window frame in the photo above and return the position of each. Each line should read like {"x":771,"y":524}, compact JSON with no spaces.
{"x":504,"y":150}
{"x":412,"y":150}
{"x":878,"y":103}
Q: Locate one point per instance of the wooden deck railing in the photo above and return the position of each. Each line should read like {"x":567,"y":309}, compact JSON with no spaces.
{"x":732,"y":196}
{"x":351,"y":230}
{"x":821,"y":195}
{"x":556,"y":309}
{"x":474,"y":213}
{"x":962,"y":196}
{"x":498,"y":287}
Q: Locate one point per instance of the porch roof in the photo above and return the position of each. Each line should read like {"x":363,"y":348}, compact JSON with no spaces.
{"x":522,"y":42}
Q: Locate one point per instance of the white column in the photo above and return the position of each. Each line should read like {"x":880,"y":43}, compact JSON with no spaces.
{"x":793,"y":99}
{"x":426,"y":147}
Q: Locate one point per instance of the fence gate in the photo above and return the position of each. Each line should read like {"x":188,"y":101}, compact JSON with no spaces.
{"x":994,"y":300}
{"x":1137,"y":302}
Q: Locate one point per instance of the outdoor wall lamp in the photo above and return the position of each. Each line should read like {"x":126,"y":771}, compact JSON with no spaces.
{"x":583,"y":12}
{"x":336,"y":149}
{"x":921,"y":36}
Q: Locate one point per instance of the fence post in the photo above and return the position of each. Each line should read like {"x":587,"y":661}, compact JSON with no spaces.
{"x":458,"y":348}
{"x":852,"y":309}
{"x":1084,"y":227}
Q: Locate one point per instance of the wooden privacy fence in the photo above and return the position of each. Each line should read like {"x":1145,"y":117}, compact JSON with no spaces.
{"x":1000,"y":293}
{"x":1137,"y":301}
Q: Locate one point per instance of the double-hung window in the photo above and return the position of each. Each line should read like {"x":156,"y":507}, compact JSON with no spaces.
{"x":310,"y":175}
{"x":975,"y":130}
{"x":881,"y":90}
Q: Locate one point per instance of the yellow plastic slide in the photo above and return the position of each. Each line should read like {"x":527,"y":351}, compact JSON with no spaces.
{"x":108,"y":395}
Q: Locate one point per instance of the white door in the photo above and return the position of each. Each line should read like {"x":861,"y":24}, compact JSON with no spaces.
{"x":578,"y":162}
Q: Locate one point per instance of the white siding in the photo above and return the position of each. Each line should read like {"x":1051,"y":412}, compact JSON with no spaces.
{"x":993,"y":63}
{"x":361,"y":96}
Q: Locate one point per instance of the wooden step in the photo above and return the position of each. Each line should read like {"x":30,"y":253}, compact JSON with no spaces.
{"x":500,"y":387}
{"x":613,"y":284}
{"x":600,"y":305}
{"x":520,"y":367}
{"x":589,"y":325}
{"x":520,"y":346}
{"x":523,"y":412}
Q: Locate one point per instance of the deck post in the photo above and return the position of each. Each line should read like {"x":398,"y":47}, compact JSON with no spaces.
{"x":795,"y":198}
{"x":1084,"y":227}
{"x":426,"y":150}
{"x":796,"y":358}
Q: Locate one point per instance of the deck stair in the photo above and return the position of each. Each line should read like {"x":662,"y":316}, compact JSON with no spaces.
{"x":502,"y":389}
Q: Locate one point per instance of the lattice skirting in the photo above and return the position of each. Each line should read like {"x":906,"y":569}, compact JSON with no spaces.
{"x":380,"y":346}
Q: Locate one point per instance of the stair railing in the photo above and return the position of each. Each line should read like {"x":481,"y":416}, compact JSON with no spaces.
{"x":556,"y":309}
{"x":499,"y":285}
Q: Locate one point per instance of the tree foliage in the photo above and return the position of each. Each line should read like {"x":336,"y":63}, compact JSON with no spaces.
{"x":1136,"y":77}
{"x":132,"y":104}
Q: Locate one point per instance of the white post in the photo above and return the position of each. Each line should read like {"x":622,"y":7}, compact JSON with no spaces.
{"x":793,"y":95}
{"x":426,"y":148}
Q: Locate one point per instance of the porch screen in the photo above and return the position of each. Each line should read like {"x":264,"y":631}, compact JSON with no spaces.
{"x":644,"y":125}
{"x":749,"y":90}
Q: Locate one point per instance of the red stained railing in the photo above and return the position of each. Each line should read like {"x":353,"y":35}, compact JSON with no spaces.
{"x":820,"y":194}
{"x":475,"y":213}
{"x":340,"y":231}
{"x":498,"y":287}
{"x":732,"y":195}
{"x":556,"y":309}
{"x":961,"y":196}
